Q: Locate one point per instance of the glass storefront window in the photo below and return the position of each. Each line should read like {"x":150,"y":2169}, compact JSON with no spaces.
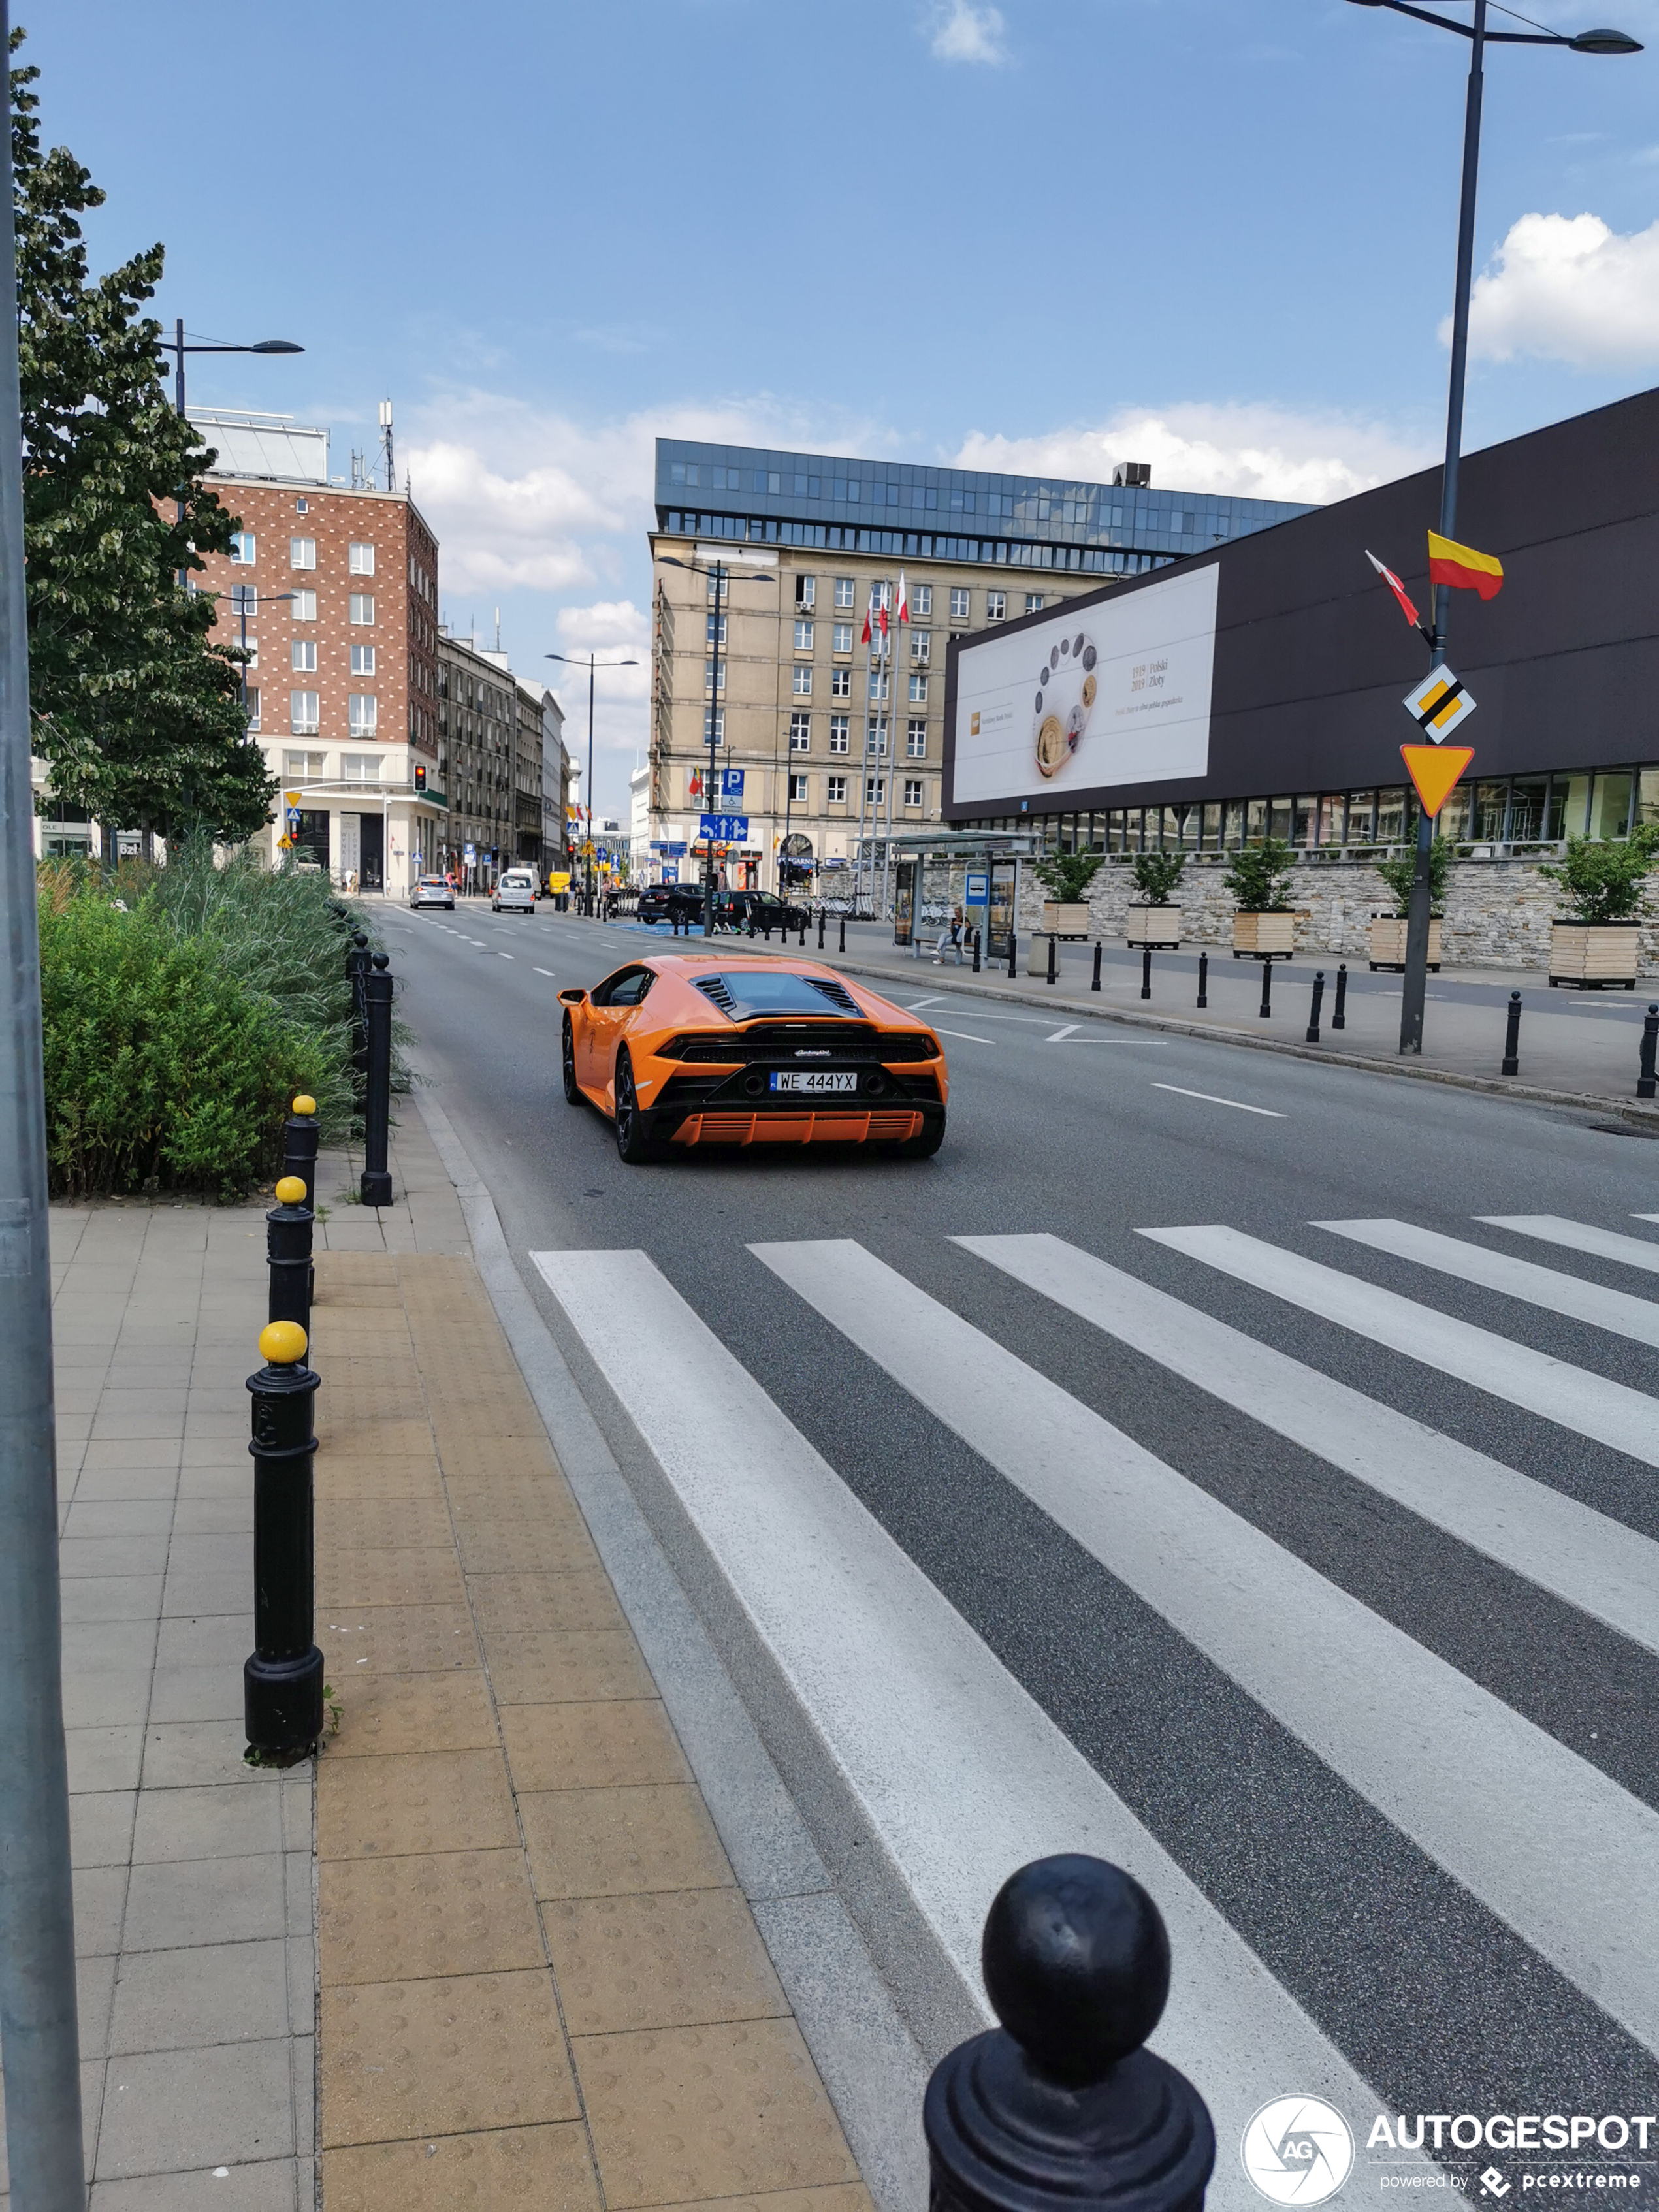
{"x":1610,"y":805}
{"x":1362,"y":817}
{"x":1256,"y":820}
{"x":1210,"y":829}
{"x":1452,"y":822}
{"x":1555,"y":814}
{"x":1390,"y":815}
{"x":1232,"y":833}
{"x":1134,"y":830}
{"x":1491,"y":806}
{"x":1185,"y":823}
{"x":1096,"y":833}
{"x":1304,"y":821}
{"x":1647,"y":796}
{"x":1330,"y":818}
{"x":1114,"y":830}
{"x":1529,"y":806}
{"x":1576,"y":808}
{"x":1280,"y":811}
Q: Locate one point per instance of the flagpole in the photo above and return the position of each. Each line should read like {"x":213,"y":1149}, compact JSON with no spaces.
{"x":864,"y":778}
{"x":892,"y":750}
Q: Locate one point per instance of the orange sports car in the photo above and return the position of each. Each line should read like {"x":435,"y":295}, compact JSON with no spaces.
{"x":712,"y":1048}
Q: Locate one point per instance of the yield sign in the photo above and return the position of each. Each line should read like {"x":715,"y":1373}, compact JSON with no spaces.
{"x":1438,"y":703}
{"x":1434,"y":770}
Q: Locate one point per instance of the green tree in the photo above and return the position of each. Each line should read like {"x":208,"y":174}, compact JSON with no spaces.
{"x":1604,"y":879}
{"x":1067,"y":876}
{"x":1400,"y":875}
{"x":137,"y":714}
{"x":1158,"y":876}
{"x":1260,"y":877}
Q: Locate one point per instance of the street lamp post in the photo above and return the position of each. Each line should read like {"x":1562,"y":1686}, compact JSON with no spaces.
{"x":1416,"y":976}
{"x":177,"y":347}
{"x":722,"y":575}
{"x":576,"y":660}
{"x":256,"y":600}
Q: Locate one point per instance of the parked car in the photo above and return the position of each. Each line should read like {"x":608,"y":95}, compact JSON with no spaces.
{"x":764,"y":909}
{"x":671,"y":902}
{"x":432,"y":891}
{"x":515,"y":893}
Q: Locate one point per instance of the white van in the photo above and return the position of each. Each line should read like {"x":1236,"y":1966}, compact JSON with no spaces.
{"x":516,"y":890}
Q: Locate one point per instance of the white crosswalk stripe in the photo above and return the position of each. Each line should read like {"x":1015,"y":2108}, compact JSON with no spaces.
{"x":1442,"y":1758}
{"x":959,"y":1775}
{"x":1567,"y":1295}
{"x":1580,"y":1237}
{"x":1589,"y":1405}
{"x":1609,"y":1571}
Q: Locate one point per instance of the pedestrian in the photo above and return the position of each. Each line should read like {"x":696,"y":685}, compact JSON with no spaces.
{"x":950,"y":935}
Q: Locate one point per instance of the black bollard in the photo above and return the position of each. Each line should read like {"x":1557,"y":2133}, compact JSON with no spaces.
{"x":821,"y":918}
{"x":1203,"y":979}
{"x":841,"y":947}
{"x":357,"y":965}
{"x":1146,"y":971}
{"x":1053,"y":942}
{"x":802,"y":947}
{"x":287,"y":1253}
{"x":1062,"y":2106}
{"x":1644,"y":1082}
{"x":1340,"y":1015}
{"x":374,"y":1184}
{"x":282,"y":1681}
{"x":1266,"y":1008}
{"x":1318,"y":996}
{"x":1512,"y":1038}
{"x":1013,"y":956}
{"x":1094,"y":984}
{"x":977,"y":939}
{"x":300,"y":1146}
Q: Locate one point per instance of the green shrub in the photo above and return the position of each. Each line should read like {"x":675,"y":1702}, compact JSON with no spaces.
{"x":1603,"y":879}
{"x":1260,"y":877}
{"x":1157,"y":875}
{"x":1400,"y":875}
{"x":1067,"y":876}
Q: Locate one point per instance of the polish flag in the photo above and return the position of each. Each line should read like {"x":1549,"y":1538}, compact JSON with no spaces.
{"x":865,"y":640}
{"x":902,"y":611}
{"x":1396,"y":587}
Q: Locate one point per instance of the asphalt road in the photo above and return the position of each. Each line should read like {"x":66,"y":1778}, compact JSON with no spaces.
{"x":1434,"y":1822}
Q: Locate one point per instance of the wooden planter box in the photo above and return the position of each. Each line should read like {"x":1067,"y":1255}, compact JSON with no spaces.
{"x":1264,"y":936}
{"x":1594,"y":955}
{"x":1065,"y":917}
{"x":1386,"y":947}
{"x":1157,"y":925}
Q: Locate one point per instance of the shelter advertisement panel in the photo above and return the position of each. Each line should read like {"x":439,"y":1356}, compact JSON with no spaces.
{"x":1117,"y":692}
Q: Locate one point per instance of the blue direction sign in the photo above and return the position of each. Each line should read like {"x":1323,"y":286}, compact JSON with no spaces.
{"x":723,"y":829}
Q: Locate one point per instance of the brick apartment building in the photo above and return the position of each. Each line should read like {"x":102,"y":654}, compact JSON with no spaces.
{"x":337,"y":585}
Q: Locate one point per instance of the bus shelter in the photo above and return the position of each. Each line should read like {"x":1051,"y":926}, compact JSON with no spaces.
{"x":936,"y":870}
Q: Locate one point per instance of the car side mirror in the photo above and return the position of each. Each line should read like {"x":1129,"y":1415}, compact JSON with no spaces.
{"x":574,"y":997}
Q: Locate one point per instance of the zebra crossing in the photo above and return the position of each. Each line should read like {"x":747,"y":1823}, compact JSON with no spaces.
{"x":1297,"y":1776}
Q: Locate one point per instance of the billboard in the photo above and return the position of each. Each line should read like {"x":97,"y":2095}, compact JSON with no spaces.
{"x":1114,"y":693}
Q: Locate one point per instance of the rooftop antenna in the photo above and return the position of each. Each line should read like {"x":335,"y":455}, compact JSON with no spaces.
{"x":386,"y":445}
{"x":498,"y":629}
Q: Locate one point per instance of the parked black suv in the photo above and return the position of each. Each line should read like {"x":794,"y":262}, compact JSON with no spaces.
{"x":736,"y":910}
{"x":680,"y":903}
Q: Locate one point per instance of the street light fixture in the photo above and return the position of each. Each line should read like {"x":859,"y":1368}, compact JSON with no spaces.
{"x":587,"y":661}
{"x":1415,"y":979}
{"x":176,"y":346}
{"x":254,"y":600}
{"x":722,"y":573}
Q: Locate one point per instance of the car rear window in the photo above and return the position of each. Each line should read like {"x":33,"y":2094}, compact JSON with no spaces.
{"x":741,"y":997}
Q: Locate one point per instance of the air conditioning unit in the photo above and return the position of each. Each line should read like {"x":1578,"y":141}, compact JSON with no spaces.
{"x":1133,"y":476}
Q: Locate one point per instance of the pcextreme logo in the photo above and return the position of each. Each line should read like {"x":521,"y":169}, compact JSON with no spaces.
{"x":1297,"y":2150}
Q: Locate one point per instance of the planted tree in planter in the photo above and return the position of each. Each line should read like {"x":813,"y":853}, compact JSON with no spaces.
{"x":1066,"y":877}
{"x":1259,"y":880}
{"x":1386,"y":942}
{"x":1154,"y":918}
{"x":1599,"y":940}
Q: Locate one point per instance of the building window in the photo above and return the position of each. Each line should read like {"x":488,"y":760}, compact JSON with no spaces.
{"x":915,"y":740}
{"x":708,"y":674}
{"x":841,"y":738}
{"x":840,"y":683}
{"x":801,"y":682}
{"x":921,"y":646}
{"x":360,"y":768}
{"x":806,"y":591}
{"x":835,"y":789}
{"x":245,"y":601}
{"x":841,"y":638}
{"x":304,"y":655}
{"x":305,"y":606}
{"x":913,"y":791}
{"x":924,"y":600}
{"x":1033,"y":602}
{"x":360,"y":559}
{"x":877,"y":687}
{"x":875,"y":790}
{"x":362,"y":607}
{"x":798,"y":788}
{"x":843,"y":591}
{"x":726,"y":589}
{"x":304,"y":768}
{"x":362,"y":714}
{"x":800,"y":733}
{"x":803,"y":637}
{"x":714,"y":630}
{"x":958,"y":603}
{"x":301,"y":552}
{"x":919,"y":690}
{"x":713,"y":726}
{"x":300,"y":506}
{"x":302,"y":713}
{"x":996,"y":605}
{"x":875,"y":736}
{"x":363,"y":660}
{"x":242,"y":547}
{"x":254,"y":709}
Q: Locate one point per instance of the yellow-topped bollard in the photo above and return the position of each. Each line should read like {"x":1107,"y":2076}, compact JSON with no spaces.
{"x":305,"y":1104}
{"x":283,"y":1343}
{"x":300,"y":1136}
{"x":290,"y":1190}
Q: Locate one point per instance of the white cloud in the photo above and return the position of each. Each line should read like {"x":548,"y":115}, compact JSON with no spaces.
{"x":963,"y":32}
{"x":1240,"y":450}
{"x":1568,"y":289}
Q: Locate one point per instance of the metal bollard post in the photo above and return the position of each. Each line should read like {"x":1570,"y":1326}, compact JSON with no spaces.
{"x":1053,"y":944}
{"x":1645,"y":1081}
{"x":282,"y":1681}
{"x":300,"y":1146}
{"x":1318,"y":995}
{"x":1512,"y":1038}
{"x":821,"y":920}
{"x":288,"y":1228}
{"x":357,"y":965}
{"x":1094,"y":984}
{"x":1203,"y":979}
{"x":803,"y":934}
{"x":977,"y":940}
{"x":374,"y":1184}
{"x":841,"y":946}
{"x":1014,"y":953}
{"x":1062,"y":2106}
{"x":1340,"y":1015}
{"x":1266,"y":1008}
{"x":1146,"y":972}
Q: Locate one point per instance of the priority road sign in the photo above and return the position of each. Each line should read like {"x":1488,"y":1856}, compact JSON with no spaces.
{"x":1438,"y":703}
{"x":1434,"y":772}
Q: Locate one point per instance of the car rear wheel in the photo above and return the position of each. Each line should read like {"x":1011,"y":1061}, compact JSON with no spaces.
{"x":923,"y":1146}
{"x":632,"y":1146}
{"x":568,"y":1063}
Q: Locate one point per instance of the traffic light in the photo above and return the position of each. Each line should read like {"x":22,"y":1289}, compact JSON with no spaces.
{"x":420,"y":775}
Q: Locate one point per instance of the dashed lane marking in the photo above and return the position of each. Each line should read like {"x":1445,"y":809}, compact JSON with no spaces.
{"x":1210,"y":1099}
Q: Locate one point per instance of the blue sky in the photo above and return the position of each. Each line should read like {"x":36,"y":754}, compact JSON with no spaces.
{"x":1217,"y":234}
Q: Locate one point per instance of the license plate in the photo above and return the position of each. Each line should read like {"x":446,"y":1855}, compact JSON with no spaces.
{"x":816,"y":1078}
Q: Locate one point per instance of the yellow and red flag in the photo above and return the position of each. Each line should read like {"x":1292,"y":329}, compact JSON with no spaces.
{"x":1463,"y":569}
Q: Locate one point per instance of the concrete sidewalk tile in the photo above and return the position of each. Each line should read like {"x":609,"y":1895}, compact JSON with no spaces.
{"x":100,"y":1826}
{"x":178,"y":1754}
{"x":469,"y":1465}
{"x":106,"y":1646}
{"x":100,"y":1900}
{"x":457,"y":1912}
{"x":267,"y":2186}
{"x":112,"y":1555}
{"x":217,"y":1454}
{"x":164,"y":2110}
{"x":209,"y":1590}
{"x":615,"y":1744}
{"x":407,"y":1639}
{"x":382,"y":1524}
{"x":214,"y":1820}
{"x":199,"y":1994}
{"x":343,"y":1477}
{"x":547,"y":2167}
{"x":172,"y":1902}
{"x":104,"y":1700}
{"x":564,"y":1669}
{"x":556,"y":1545}
{"x":344,"y":1437}
{"x":609,"y":1842}
{"x":122,"y":1482}
{"x":300,"y":1954}
{"x":432,"y":1576}
{"x":111,"y":1597}
{"x":415,"y":1803}
{"x":129,"y":1428}
{"x":297,"y":1871}
{"x":210,"y":1639}
{"x":196,"y":1693}
{"x":679,"y":1959}
{"x":198,"y":1554}
{"x":95,"y":1518}
{"x":94,"y":1990}
{"x":574,"y":1602}
{"x":215,"y":1516}
{"x":415,"y":1713}
{"x":444,"y":2057}
{"x":688,"y":2113}
{"x":104,"y":1758}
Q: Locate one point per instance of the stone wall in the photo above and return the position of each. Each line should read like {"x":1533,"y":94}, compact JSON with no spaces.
{"x":1497,"y":912}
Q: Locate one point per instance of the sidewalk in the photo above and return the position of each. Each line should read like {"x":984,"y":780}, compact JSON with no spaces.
{"x":489,"y":1949}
